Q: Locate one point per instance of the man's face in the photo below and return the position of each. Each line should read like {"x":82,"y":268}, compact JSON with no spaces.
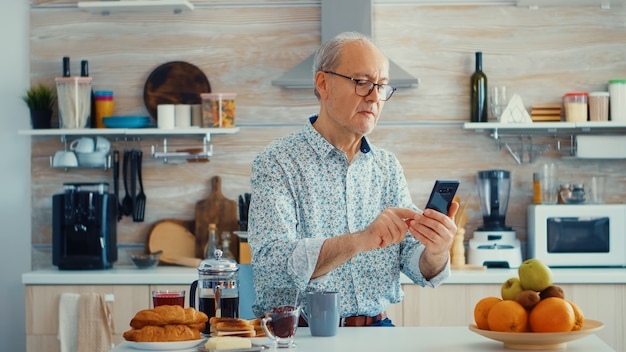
{"x":351,"y":112}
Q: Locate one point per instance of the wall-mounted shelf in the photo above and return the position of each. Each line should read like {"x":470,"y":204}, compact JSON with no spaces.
{"x":535,"y":4}
{"x":519,"y":138}
{"x":161,"y":152}
{"x":124,"y":6}
{"x":207,"y":132}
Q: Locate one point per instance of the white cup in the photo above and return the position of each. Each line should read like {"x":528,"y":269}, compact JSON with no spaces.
{"x":183,"y":115}
{"x":165,"y":116}
{"x":64,"y":158}
{"x":83,"y":145}
{"x":102,"y":145}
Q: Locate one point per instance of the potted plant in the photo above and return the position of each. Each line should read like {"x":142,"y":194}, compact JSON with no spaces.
{"x":40,"y":100}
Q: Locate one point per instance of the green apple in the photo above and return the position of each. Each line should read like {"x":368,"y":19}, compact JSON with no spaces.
{"x":534,"y":275}
{"x":510,"y":288}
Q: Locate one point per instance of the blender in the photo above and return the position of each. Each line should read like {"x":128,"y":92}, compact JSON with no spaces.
{"x":494,"y":245}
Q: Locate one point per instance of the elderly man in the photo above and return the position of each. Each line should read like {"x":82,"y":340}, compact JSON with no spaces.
{"x":330,"y":211}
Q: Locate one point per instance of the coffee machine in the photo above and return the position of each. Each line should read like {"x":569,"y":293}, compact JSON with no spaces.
{"x":84,"y":227}
{"x":494,"y":244}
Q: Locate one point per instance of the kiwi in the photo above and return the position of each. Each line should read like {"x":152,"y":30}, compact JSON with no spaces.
{"x":552,"y":291}
{"x":528,"y":298}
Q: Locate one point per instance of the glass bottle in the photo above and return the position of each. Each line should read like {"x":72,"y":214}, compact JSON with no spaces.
{"x":537,"y":188}
{"x":84,"y":72}
{"x":66,"y":66}
{"x":226,"y":246}
{"x":212,"y":244}
{"x":478,"y":96}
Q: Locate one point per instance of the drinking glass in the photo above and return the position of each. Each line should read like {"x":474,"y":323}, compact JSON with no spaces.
{"x":597,"y":189}
{"x":280,"y":325}
{"x":168,"y":297}
{"x":549,"y":183}
{"x":498,"y":100}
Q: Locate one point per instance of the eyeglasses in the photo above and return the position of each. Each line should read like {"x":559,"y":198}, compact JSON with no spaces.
{"x":364,"y":87}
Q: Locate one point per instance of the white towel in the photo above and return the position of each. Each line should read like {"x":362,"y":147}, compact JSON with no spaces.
{"x":68,"y":321}
{"x":85,"y":323}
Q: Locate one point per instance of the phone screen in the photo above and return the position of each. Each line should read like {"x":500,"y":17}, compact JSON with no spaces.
{"x":442,"y":195}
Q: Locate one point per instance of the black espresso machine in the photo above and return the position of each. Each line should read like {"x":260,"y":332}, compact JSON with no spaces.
{"x":84,"y":227}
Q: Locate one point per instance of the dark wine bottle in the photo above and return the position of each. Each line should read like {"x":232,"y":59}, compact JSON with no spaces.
{"x":66,"y":66}
{"x":84,"y":72}
{"x":478,"y":98}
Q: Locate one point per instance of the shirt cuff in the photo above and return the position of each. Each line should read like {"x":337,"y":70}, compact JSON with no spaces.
{"x":303,"y":260}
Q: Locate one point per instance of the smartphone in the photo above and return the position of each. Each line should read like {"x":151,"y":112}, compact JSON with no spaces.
{"x":442,"y":195}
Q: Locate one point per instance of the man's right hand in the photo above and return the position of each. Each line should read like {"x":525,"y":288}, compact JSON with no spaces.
{"x":388,"y":228}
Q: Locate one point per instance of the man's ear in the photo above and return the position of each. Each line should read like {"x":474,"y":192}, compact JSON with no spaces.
{"x":321,"y":84}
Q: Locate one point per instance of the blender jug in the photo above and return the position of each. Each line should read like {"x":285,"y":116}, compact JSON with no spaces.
{"x":493,"y":191}
{"x":218,"y":288}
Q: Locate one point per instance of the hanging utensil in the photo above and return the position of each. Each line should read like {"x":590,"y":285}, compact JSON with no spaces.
{"x":127,"y":202}
{"x":140,"y":201}
{"x":116,"y":182}
{"x":133,"y":182}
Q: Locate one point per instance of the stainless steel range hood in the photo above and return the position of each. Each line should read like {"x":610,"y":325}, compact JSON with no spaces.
{"x":338,"y":17}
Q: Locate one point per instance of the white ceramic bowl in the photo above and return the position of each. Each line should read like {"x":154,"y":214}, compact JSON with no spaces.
{"x":95,"y":159}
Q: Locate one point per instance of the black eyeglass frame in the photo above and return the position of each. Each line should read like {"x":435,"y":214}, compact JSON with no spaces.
{"x":372,"y":85}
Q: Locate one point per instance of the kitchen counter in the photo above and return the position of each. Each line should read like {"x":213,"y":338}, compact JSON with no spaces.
{"x":400,"y":339}
{"x":174,"y":275}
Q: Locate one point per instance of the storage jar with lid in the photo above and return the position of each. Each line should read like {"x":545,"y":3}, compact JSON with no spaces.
{"x":598,"y":106}
{"x":575,"y":106}
{"x":617,"y":92}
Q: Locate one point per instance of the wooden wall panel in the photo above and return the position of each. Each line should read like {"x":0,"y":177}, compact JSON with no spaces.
{"x":538,"y":54}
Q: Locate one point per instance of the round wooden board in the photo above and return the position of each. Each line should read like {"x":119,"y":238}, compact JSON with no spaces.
{"x":175,"y":82}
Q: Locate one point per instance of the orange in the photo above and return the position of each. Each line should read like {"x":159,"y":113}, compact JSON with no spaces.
{"x":552,"y":314}
{"x":579,"y":318}
{"x":481,"y":309}
{"x":508,"y":316}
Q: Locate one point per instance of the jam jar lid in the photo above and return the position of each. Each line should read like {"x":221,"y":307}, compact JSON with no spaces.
{"x":218,"y":264}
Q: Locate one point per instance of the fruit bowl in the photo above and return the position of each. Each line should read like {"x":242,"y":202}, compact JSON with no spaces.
{"x":539,"y":340}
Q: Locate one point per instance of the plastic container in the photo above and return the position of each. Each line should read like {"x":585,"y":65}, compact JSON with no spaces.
{"x":74,"y":100}
{"x":575,"y":106}
{"x":617,"y":92}
{"x":104,"y":106}
{"x":218,"y":109}
{"x":599,"y":106}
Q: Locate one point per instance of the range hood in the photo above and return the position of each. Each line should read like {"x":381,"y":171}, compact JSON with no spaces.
{"x":338,"y":17}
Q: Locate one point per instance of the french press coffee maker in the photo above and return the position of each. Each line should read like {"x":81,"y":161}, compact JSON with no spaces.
{"x":218,"y":288}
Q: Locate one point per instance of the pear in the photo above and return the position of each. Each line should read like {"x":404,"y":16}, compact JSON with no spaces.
{"x":528,"y":299}
{"x":534,"y":275}
{"x":552,"y":291}
{"x":510,"y":288}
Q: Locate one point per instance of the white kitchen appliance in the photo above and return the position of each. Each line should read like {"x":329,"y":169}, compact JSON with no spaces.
{"x":578,"y":235}
{"x":494,"y":245}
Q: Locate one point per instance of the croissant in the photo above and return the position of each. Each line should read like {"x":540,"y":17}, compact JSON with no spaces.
{"x":162,"y":333}
{"x":168,"y":315}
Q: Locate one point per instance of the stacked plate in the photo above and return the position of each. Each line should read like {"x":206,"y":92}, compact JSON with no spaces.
{"x":126,"y":121}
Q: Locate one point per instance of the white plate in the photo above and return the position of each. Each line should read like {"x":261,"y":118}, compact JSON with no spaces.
{"x":539,"y":340}
{"x":165,"y":346}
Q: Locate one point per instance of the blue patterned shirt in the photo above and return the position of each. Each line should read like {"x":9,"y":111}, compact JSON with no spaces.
{"x":304,"y":191}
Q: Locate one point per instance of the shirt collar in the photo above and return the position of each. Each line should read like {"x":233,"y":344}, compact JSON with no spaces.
{"x":320,"y":143}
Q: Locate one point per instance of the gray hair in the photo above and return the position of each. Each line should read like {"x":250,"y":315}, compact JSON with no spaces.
{"x":327,"y":56}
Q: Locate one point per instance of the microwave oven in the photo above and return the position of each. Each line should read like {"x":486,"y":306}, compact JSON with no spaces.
{"x":584,"y":235}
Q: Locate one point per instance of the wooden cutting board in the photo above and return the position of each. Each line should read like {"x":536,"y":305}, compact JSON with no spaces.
{"x":219,"y":210}
{"x":175,"y":240}
{"x":175,"y":82}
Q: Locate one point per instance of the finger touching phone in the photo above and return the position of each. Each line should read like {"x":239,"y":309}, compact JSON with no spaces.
{"x":442,"y":195}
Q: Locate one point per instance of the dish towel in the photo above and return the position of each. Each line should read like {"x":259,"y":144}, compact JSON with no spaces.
{"x":68,"y":321}
{"x":85,"y":323}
